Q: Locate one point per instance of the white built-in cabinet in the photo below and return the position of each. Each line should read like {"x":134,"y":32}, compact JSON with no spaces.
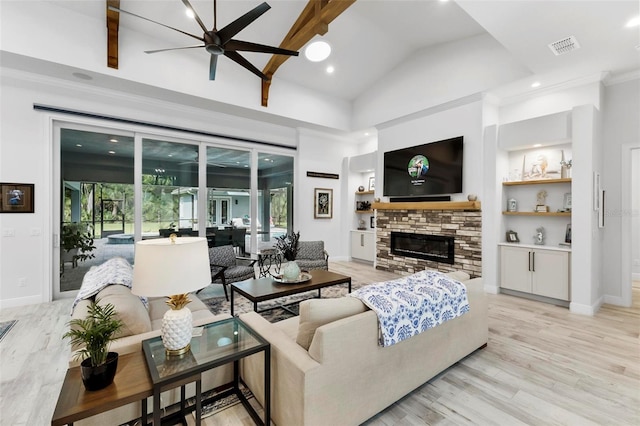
{"x":363,"y":245}
{"x":535,"y":270}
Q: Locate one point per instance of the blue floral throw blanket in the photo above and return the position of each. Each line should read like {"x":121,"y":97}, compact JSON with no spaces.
{"x":412,"y":304}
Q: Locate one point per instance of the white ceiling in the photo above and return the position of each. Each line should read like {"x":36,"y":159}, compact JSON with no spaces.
{"x":373,"y":37}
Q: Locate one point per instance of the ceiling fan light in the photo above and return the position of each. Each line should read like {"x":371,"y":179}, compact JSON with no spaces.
{"x":317,"y":51}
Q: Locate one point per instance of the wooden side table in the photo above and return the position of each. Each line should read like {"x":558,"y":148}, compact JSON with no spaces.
{"x":132,"y":383}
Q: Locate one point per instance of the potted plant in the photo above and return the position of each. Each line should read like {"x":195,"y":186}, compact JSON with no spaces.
{"x":287,"y":245}
{"x":77,"y":245}
{"x":96,"y":332}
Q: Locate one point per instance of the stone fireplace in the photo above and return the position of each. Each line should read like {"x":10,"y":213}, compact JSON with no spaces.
{"x":446,"y":236}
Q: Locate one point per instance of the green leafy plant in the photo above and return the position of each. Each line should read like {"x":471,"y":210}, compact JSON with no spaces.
{"x":95,"y":332}
{"x":73,"y":237}
{"x":288,"y":245}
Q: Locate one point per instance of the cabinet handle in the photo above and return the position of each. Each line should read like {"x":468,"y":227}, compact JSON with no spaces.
{"x":533,"y":257}
{"x":529,"y":262}
{"x":361,"y":240}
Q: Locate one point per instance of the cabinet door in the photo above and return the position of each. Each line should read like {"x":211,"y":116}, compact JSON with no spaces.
{"x":362,"y":245}
{"x":551,"y":274}
{"x":514,"y":269}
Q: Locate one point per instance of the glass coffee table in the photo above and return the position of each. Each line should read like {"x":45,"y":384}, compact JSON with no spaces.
{"x":221,"y":342}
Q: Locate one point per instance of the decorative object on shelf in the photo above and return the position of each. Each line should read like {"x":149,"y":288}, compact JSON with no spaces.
{"x":539,"y":237}
{"x":566,"y":203}
{"x":16,"y":197}
{"x":472,"y":197}
{"x":291,"y":272}
{"x":512,"y":237}
{"x":363,"y":205}
{"x":172,"y":267}
{"x":95,"y":332}
{"x":372,"y":222}
{"x":287,"y":245}
{"x":361,"y":225}
{"x":541,"y":201}
{"x":515,"y":175}
{"x":372,"y":183}
{"x":361,"y":188}
{"x":542,"y":164}
{"x":323,"y":203}
{"x":512,"y":205}
{"x":376,"y":200}
{"x":567,"y":234}
{"x":565,"y":172}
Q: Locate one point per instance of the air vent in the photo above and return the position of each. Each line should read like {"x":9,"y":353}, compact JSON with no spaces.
{"x":565,"y":45}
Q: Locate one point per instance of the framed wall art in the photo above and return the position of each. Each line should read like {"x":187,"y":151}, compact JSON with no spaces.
{"x":512,"y":237}
{"x":322,"y":203}
{"x":16,"y":197}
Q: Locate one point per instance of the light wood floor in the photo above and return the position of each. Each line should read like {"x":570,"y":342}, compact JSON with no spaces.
{"x":542,"y":366}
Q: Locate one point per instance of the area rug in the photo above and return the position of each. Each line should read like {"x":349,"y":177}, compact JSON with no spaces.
{"x":5,"y":327}
{"x":273,"y":313}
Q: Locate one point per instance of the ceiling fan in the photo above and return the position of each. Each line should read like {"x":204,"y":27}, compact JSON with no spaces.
{"x":221,"y":42}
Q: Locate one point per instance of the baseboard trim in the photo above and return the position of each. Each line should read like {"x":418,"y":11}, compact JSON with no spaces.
{"x":615,"y":300}
{"x":590,"y":310}
{"x":20,"y":301}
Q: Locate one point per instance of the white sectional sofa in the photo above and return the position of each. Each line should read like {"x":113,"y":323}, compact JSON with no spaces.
{"x":345,"y":377}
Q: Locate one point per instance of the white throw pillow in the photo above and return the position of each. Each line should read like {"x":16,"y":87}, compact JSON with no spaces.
{"x":315,"y":313}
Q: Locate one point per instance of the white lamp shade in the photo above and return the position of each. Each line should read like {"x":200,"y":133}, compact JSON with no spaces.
{"x":165,"y":268}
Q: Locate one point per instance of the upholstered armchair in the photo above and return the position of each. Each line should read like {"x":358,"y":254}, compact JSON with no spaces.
{"x":225,"y":268}
{"x":312,"y":255}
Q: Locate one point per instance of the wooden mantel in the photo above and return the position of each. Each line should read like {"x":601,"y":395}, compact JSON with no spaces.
{"x":430,"y":205}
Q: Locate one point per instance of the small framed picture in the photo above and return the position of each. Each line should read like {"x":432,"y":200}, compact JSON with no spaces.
{"x":323,"y":203}
{"x":567,"y":234}
{"x":372,"y":183}
{"x":512,"y":237}
{"x":16,"y":198}
{"x":372,"y":222}
{"x":566,"y":204}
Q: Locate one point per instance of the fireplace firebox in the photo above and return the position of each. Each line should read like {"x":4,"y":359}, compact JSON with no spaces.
{"x":438,"y":248}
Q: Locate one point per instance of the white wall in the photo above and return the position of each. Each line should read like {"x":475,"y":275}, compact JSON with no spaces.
{"x":635,"y":213}
{"x":320,"y":152}
{"x":621,"y":111}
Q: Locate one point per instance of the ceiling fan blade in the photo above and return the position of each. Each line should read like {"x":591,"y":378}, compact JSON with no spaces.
{"x":155,"y":22}
{"x":239,"y":59}
{"x":195,"y":15}
{"x":213,"y":62}
{"x":239,"y":24}
{"x":247,"y":46}
{"x":173,"y":48}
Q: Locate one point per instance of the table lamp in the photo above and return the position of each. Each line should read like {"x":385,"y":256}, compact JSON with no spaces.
{"x":172,"y":267}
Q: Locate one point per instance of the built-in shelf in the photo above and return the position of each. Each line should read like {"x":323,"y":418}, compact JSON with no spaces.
{"x":365,"y":192}
{"x":537,"y":213}
{"x":537,"y":182}
{"x":364,"y":211}
{"x":430,"y":205}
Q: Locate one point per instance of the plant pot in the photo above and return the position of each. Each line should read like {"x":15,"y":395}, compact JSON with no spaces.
{"x":95,"y":378}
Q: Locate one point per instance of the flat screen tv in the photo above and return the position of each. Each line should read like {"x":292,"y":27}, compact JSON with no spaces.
{"x":431,"y":169}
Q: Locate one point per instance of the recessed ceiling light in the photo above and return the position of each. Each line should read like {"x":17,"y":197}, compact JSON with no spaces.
{"x":113,"y":140}
{"x":112,"y":152}
{"x":79,"y":145}
{"x":537,"y":145}
{"x":535,"y":84}
{"x":170,"y":155}
{"x":330,"y":69}
{"x":633,"y":22}
{"x":317,"y":51}
{"x":190,"y":13}
{"x":366,"y":133}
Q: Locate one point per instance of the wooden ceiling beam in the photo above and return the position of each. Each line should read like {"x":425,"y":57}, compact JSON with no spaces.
{"x":313,"y":20}
{"x":113,"y":25}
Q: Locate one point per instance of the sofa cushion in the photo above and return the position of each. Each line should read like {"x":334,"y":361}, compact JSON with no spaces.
{"x":129,"y":308}
{"x":315,"y":313}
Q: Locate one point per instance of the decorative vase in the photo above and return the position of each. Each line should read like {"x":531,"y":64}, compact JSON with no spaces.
{"x":360,"y":188}
{"x":96,"y":378}
{"x":291,"y":272}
